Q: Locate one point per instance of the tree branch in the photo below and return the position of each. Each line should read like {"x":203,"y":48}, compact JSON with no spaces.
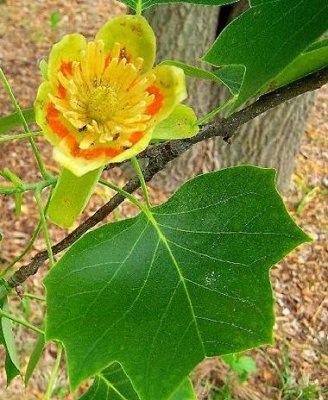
{"x":160,"y":155}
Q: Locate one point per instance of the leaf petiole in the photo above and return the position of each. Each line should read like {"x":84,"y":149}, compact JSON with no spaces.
{"x":54,"y":374}
{"x":37,"y":195}
{"x":19,"y":136}
{"x":207,"y":117}
{"x":20,"y":322}
{"x":136,"y":166}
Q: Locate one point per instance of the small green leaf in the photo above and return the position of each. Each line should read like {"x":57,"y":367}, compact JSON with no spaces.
{"x":266,"y":39}
{"x":231,"y":75}
{"x":34,"y":359}
{"x":143,"y":4}
{"x":179,"y":125}
{"x":1,"y":237}
{"x":7,"y":340}
{"x":160,"y":293}
{"x":13,"y":121}
{"x":54,"y":20}
{"x":241,"y":364}
{"x":114,"y":384}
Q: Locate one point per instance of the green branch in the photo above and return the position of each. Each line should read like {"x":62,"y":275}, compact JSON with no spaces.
{"x":35,"y":150}
{"x":160,"y":155}
{"x":20,"y":322}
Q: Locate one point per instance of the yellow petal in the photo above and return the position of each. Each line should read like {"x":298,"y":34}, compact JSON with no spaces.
{"x":169,"y":89}
{"x":63,"y":53}
{"x":135,"y":36}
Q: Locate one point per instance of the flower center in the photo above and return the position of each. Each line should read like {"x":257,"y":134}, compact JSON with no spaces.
{"x":105,"y":97}
{"x":103,"y":102}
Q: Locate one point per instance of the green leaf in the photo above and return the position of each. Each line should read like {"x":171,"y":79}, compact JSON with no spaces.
{"x":1,"y":237}
{"x":34,"y":359}
{"x":7,"y":340}
{"x":179,"y":125}
{"x":184,"y":392}
{"x":243,"y":365}
{"x":160,"y":293}
{"x":13,"y":121}
{"x":313,"y":59}
{"x":71,"y":196}
{"x":267,"y":38}
{"x":54,"y":20}
{"x":13,"y":178}
{"x":231,"y":75}
{"x":114,"y":384}
{"x":143,"y":4}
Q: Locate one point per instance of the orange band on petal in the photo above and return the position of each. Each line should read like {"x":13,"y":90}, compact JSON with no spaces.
{"x":135,"y":137}
{"x":107,"y":61}
{"x":66,"y":68}
{"x":156,"y":105}
{"x":58,"y":128}
{"x":61,"y":91}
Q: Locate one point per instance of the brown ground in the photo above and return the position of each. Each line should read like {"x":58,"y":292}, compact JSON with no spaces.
{"x":299,"y":281}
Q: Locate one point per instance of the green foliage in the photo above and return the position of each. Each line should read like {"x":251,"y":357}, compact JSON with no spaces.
{"x":7,"y":340}
{"x":113,"y":383}
{"x":54,"y":20}
{"x":13,"y":178}
{"x":34,"y":359}
{"x":266,"y":39}
{"x":240,"y":364}
{"x":143,"y":4}
{"x":313,"y":58}
{"x":180,"y":124}
{"x":160,"y":292}
{"x":231,"y":75}
{"x":13,"y":121}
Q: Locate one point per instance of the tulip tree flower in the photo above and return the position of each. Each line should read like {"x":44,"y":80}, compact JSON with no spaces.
{"x":103,"y":102}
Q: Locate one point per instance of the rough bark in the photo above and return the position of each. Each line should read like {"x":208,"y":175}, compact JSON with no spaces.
{"x":184,"y":32}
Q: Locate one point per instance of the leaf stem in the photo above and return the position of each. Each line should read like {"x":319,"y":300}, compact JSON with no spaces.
{"x":20,"y":322}
{"x":139,"y":7}
{"x":19,"y":136}
{"x":122,"y":192}
{"x":30,"y":186}
{"x":28,"y":246}
{"x":207,"y":117}
{"x":141,"y":178}
{"x":45,"y":174}
{"x":54,"y":374}
{"x":37,"y":195}
{"x":34,"y":296}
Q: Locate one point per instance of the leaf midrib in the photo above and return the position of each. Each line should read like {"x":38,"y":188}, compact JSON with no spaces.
{"x":148,"y":213}
{"x":110,"y":386}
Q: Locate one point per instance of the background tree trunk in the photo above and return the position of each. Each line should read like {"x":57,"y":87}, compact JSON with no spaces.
{"x":184,"y":32}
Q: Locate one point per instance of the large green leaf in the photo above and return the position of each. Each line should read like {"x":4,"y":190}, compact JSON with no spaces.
{"x":312,"y":59}
{"x":143,"y":4}
{"x":231,"y":75}
{"x":114,"y":384}
{"x":7,"y":340}
{"x":159,"y":293}
{"x":267,"y":38}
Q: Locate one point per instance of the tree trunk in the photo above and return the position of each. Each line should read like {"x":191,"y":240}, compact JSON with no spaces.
{"x":184,"y":32}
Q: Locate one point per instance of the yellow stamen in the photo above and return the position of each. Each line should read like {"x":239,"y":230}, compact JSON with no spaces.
{"x":106,"y":96}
